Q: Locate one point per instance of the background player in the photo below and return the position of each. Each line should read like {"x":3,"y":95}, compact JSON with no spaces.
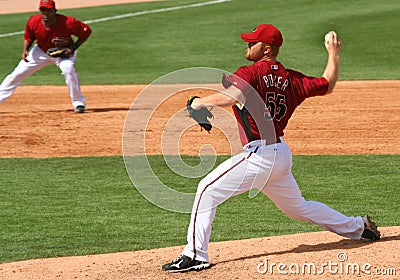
{"x":264,"y":96}
{"x":50,"y":29}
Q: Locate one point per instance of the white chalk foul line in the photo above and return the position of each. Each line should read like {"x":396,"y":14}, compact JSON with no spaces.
{"x":11,"y":34}
{"x":162,"y":10}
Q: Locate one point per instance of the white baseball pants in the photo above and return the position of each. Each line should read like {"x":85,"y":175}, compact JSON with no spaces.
{"x":266,"y":168}
{"x":37,"y":60}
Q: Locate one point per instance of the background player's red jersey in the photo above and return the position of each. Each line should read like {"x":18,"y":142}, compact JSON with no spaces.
{"x":277,"y":91}
{"x":64,"y":27}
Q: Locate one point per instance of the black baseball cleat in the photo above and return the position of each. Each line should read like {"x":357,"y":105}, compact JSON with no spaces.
{"x":184,"y":263}
{"x":80,"y":109}
{"x":370,"y":229}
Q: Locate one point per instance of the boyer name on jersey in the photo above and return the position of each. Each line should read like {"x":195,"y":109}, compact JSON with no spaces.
{"x":275,"y":81}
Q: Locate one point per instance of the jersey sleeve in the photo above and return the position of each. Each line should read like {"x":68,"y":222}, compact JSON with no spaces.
{"x":29,"y":35}
{"x":79,"y":29}
{"x":309,"y":86}
{"x":242,"y":79}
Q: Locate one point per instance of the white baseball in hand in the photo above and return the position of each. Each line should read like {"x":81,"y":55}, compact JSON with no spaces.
{"x":327,"y":37}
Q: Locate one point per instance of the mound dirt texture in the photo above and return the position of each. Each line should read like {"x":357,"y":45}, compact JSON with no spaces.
{"x":38,"y":121}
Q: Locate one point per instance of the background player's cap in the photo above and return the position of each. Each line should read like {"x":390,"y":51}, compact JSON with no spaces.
{"x":266,"y":33}
{"x":50,"y":4}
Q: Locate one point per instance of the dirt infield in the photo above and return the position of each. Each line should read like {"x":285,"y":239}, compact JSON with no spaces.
{"x":38,"y":121}
{"x":14,"y":6}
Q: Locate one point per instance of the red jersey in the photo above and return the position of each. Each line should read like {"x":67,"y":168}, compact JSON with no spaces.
{"x":272,"y":93}
{"x":64,"y":27}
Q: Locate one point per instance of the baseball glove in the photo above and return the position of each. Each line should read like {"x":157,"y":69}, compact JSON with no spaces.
{"x":59,"y":52}
{"x":61,"y":41}
{"x":200,"y":116}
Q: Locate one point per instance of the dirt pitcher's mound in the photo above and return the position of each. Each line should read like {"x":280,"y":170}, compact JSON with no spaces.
{"x":319,"y":255}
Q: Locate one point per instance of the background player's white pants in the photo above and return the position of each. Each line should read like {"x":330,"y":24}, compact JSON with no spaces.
{"x":267,"y":168}
{"x":37,"y":60}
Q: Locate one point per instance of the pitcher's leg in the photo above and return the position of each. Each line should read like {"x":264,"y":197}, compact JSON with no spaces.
{"x":67,"y":67}
{"x":231,"y":178}
{"x":283,"y":190}
{"x":287,"y":197}
{"x":199,"y":232}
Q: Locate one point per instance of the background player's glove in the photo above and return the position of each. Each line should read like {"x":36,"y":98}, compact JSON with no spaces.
{"x":61,"y":41}
{"x":62,"y":52}
{"x":200,"y":116}
{"x":64,"y":47}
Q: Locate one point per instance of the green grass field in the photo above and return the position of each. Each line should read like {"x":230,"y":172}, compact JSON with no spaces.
{"x":74,"y":206}
{"x":142,"y":48}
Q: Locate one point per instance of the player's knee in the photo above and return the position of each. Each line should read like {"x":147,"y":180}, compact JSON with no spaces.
{"x":67,"y":69}
{"x":201,"y":186}
{"x":297,"y":210}
{"x":10,"y":79}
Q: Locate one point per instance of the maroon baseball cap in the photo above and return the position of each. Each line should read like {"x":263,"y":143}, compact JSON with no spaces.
{"x":266,"y":33}
{"x":50,"y":4}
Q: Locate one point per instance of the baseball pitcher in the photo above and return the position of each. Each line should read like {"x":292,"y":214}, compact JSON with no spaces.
{"x":263,"y":96}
